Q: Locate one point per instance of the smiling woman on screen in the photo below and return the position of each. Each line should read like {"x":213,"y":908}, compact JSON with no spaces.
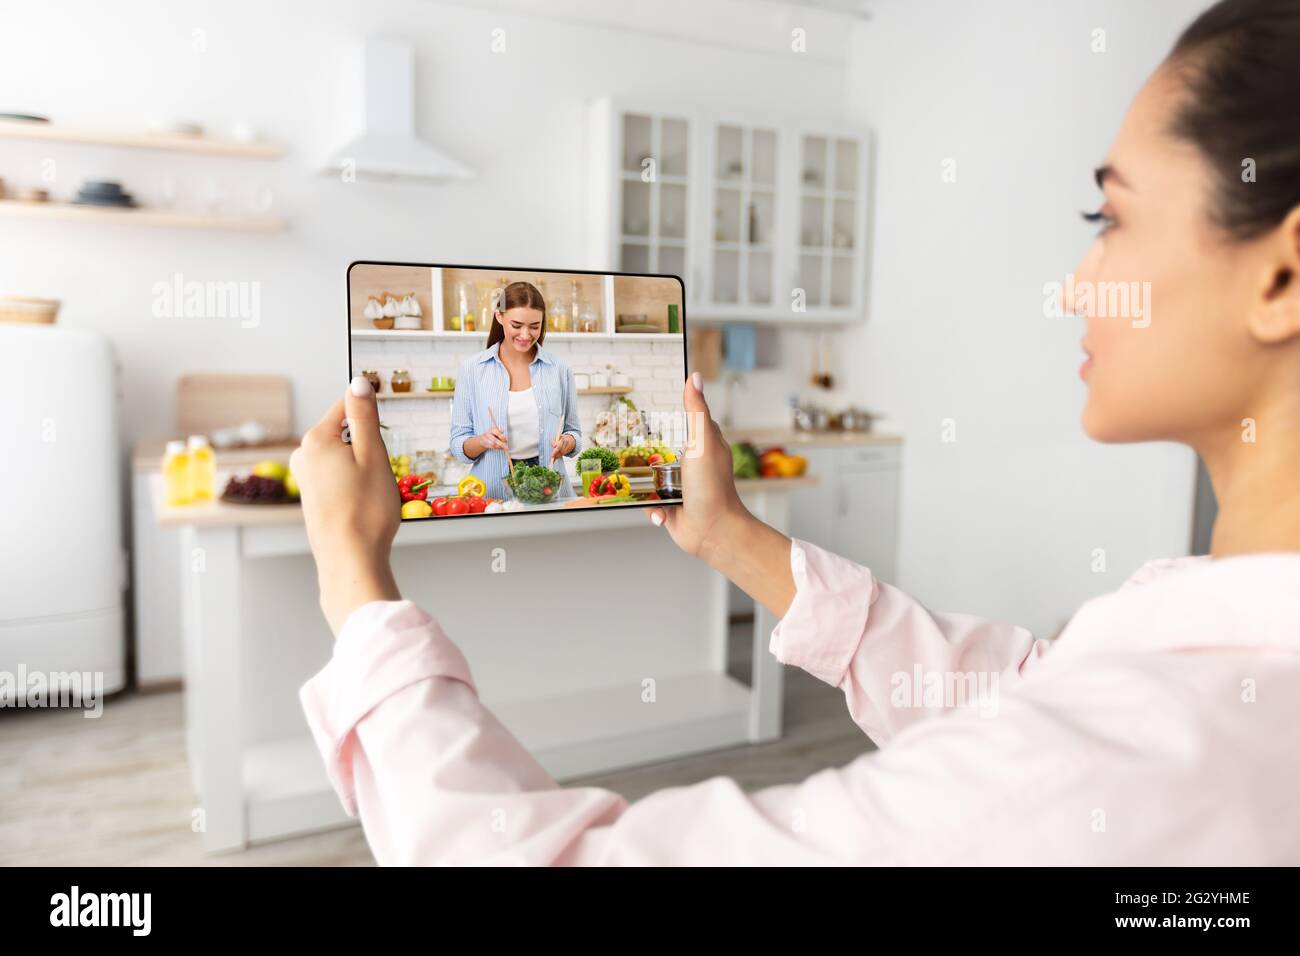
{"x":1159,"y":728}
{"x":515,"y":402}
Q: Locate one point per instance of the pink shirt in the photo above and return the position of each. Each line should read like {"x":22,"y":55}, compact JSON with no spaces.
{"x":1159,"y":728}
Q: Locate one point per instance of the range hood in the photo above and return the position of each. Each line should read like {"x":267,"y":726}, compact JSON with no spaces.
{"x":389,"y":150}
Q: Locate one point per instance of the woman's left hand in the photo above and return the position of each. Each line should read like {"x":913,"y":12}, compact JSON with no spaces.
{"x":562,"y":446}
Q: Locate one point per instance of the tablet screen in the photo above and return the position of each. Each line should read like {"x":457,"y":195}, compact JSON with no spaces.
{"x":506,"y":391}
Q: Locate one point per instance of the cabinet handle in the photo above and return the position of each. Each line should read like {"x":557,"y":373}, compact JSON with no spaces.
{"x":695,"y":284}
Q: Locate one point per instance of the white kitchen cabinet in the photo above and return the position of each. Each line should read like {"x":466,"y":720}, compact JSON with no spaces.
{"x":830,"y":266}
{"x":741,"y":244}
{"x":854,"y":510}
{"x":763,"y":217}
{"x":156,"y":589}
{"x":644,"y":176}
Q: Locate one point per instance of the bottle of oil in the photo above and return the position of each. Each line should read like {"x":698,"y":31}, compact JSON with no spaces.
{"x":203,"y":469}
{"x":176,"y":474}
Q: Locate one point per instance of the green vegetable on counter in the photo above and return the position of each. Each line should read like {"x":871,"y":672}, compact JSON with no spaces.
{"x":534,"y":484}
{"x":608,"y":458}
{"x":744,"y":460}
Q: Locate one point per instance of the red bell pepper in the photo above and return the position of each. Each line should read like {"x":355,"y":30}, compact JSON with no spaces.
{"x":414,"y":487}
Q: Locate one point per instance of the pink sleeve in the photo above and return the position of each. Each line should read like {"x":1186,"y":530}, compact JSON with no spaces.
{"x":433,"y":775}
{"x":896,"y":662}
{"x":436,"y":779}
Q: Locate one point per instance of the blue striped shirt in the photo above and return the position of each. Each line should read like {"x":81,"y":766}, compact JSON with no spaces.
{"x":484,"y":383}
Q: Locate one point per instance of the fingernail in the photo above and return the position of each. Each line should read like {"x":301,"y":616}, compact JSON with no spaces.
{"x":698,"y":382}
{"x":361,"y":386}
{"x":656,"y":519}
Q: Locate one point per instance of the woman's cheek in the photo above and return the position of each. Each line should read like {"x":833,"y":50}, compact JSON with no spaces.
{"x":1135,"y":385}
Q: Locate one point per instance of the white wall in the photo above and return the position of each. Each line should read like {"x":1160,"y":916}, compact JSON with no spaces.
{"x":1003,"y":522}
{"x":293,"y":70}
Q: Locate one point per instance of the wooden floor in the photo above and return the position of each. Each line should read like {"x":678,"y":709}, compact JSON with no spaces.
{"x":116,"y":790}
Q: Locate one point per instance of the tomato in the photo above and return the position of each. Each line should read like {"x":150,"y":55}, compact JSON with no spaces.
{"x":477,"y":505}
{"x":456,"y":506}
{"x":439,"y":506}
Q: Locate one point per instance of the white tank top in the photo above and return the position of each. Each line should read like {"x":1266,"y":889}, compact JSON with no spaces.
{"x":522,"y":424}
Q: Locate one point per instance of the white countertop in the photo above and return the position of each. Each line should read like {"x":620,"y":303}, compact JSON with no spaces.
{"x":223,"y":514}
{"x":764,"y":437}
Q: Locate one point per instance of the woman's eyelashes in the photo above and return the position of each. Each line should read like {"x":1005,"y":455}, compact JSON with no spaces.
{"x":1101,"y":217}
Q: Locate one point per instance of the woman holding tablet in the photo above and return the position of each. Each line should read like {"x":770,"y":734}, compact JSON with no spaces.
{"x":1158,"y":728}
{"x":515,"y":402}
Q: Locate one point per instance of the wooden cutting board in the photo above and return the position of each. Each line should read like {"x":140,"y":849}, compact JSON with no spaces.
{"x":208,"y":401}
{"x":705,"y":348}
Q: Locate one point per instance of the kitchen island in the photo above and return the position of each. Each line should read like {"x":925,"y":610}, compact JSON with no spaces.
{"x":591,"y":636}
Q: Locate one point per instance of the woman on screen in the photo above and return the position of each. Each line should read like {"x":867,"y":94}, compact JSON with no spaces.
{"x":515,"y":402}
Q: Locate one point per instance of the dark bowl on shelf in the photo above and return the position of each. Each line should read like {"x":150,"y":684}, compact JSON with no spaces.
{"x":101,"y":187}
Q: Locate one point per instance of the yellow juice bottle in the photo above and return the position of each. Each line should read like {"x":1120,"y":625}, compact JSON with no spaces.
{"x":203,"y":469}
{"x":176,"y":474}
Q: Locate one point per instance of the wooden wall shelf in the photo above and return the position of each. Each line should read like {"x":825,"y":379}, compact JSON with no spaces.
{"x":70,"y":212}
{"x":172,"y":142}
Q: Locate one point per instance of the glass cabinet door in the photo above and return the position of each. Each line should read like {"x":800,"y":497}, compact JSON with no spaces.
{"x":830,"y":198}
{"x":743,"y":233}
{"x":655,"y":194}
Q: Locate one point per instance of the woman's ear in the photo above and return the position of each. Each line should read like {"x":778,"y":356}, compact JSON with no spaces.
{"x":1275,"y":314}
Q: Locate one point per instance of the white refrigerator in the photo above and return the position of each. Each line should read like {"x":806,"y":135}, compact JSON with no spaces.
{"x":62,"y":561}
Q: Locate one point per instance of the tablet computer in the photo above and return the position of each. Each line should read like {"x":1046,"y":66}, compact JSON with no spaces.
{"x":515,"y":391}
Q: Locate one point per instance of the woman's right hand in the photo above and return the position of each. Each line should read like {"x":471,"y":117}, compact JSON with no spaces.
{"x":492,"y":438}
{"x":711,"y":523}
{"x":710,"y":504}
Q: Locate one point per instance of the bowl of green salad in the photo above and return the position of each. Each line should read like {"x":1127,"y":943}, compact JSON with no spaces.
{"x":534,"y":484}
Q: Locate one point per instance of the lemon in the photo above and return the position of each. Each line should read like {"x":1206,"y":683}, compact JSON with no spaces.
{"x":270,"y":468}
{"x":417,"y":509}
